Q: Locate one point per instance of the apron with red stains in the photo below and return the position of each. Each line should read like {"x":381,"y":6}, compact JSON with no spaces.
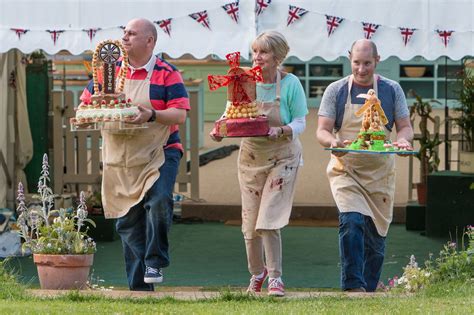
{"x":363,"y":183}
{"x":267,"y":174}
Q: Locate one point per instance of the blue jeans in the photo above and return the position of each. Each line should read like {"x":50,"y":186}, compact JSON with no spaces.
{"x":362,"y":251}
{"x":144,"y":229}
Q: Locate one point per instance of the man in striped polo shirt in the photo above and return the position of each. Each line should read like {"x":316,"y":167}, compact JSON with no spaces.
{"x":140,"y":167}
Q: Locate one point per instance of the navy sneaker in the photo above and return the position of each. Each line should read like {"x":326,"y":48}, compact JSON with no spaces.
{"x":153,"y":275}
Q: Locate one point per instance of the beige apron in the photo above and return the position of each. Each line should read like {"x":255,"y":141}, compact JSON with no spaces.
{"x":362,"y":183}
{"x":267,"y":175}
{"x":131,"y":158}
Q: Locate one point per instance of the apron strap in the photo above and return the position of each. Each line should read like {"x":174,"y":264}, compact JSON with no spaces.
{"x":278,"y":85}
{"x":349,"y":87}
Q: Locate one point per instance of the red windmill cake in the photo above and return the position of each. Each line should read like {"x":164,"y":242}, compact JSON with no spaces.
{"x":241,"y":117}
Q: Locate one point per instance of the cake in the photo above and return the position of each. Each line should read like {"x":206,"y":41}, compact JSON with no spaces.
{"x":110,"y":104}
{"x":114,"y":111}
{"x":371,"y":136}
{"x":241,"y":117}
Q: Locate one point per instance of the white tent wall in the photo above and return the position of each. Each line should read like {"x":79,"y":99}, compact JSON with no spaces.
{"x":307,"y":36}
{"x":74,"y":16}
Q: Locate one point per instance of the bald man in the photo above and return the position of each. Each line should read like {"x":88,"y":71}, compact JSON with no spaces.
{"x":140,"y":167}
{"x":363,"y":185}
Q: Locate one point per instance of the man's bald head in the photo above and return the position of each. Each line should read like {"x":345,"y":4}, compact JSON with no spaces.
{"x":364,"y":44}
{"x":147,"y":27}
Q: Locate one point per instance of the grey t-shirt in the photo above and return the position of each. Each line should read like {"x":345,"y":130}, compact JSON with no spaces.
{"x":390,"y":94}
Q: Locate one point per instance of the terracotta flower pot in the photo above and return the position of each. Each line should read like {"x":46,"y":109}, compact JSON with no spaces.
{"x":63,"y":272}
{"x":421,"y":192}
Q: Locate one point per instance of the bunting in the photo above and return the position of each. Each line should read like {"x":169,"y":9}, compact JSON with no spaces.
{"x":261,"y":5}
{"x":19,"y":32}
{"x":165,"y":25}
{"x":232,"y":10}
{"x":369,"y":29}
{"x":407,"y":33}
{"x":445,"y":36}
{"x":55,"y":34}
{"x":332,"y":22}
{"x":294,"y":14}
{"x":202,"y":18}
{"x":91,"y":32}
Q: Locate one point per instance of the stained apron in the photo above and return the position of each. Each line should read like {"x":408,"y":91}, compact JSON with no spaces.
{"x":131,"y":158}
{"x":267,"y":174}
{"x":363,"y":183}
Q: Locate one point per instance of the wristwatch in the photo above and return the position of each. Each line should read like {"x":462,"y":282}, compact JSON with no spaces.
{"x":153,"y":116}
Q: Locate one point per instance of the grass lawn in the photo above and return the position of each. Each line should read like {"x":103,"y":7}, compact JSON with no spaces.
{"x":441,"y":299}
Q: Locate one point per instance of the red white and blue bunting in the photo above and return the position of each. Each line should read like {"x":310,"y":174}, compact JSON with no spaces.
{"x":19,"y":32}
{"x":165,"y":25}
{"x":369,"y":29}
{"x":332,"y":23}
{"x":261,"y":5}
{"x":269,"y":9}
{"x":91,"y":32}
{"x":294,"y":14}
{"x":445,"y":36}
{"x":55,"y":34}
{"x":202,"y":18}
{"x":232,"y":10}
{"x":407,"y":33}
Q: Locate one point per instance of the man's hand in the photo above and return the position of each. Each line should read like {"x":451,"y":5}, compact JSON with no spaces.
{"x":143,"y":116}
{"x":403,"y":144}
{"x":336,"y":143}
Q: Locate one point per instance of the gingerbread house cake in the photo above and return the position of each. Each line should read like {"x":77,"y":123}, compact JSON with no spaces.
{"x":241,"y":117}
{"x":108,"y":104}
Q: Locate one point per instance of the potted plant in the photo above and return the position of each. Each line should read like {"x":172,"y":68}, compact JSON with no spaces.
{"x":428,"y":153}
{"x":62,"y":251}
{"x":465,"y":121}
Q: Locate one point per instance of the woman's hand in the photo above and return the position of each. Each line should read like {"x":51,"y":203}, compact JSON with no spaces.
{"x":275,"y":132}
{"x":214,"y":136}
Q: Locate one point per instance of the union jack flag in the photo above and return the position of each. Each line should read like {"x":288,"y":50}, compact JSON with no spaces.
{"x":369,"y":29}
{"x":165,"y":25}
{"x":261,"y":5}
{"x":55,"y":34}
{"x":19,"y":31}
{"x":332,"y":22}
{"x":91,"y":32}
{"x":407,"y":33}
{"x":445,"y":36}
{"x":294,"y":14}
{"x":202,"y":18}
{"x":232,"y":9}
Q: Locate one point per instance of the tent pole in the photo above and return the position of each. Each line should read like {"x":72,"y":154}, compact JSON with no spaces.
{"x":447,"y":165}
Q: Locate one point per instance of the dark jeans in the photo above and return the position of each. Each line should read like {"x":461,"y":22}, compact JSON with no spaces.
{"x":144,"y":229}
{"x":362,"y":251}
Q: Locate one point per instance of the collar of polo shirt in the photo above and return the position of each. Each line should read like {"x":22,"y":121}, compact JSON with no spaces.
{"x":148,"y":66}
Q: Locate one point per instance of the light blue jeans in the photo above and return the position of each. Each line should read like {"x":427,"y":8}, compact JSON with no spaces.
{"x":144,"y":229}
{"x":362,"y":251}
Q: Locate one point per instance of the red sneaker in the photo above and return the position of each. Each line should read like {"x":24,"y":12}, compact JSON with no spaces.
{"x":256,"y":282}
{"x":276,"y":287}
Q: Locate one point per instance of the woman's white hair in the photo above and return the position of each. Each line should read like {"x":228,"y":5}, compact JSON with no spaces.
{"x":272,"y":41}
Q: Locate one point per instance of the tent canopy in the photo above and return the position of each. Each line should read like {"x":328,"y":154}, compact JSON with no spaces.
{"x":307,"y":35}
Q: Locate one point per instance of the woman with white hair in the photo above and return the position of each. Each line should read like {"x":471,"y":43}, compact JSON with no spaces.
{"x":268,"y":165}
